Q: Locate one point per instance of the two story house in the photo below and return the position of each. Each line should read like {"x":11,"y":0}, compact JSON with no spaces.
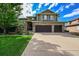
{"x":45,"y":21}
{"x":73,"y":26}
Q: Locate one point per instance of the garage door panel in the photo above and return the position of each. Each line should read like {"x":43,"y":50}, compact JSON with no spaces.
{"x":43,"y":28}
{"x":58,"y":28}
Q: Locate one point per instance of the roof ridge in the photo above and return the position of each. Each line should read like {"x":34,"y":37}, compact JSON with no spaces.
{"x":46,"y":10}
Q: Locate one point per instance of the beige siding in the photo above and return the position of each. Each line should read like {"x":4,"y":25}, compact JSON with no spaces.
{"x":73,"y":29}
{"x":73,"y":26}
{"x":75,"y":22}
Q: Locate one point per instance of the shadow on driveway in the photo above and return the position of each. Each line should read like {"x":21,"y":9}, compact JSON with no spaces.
{"x":41,"y":48}
{"x":62,"y":34}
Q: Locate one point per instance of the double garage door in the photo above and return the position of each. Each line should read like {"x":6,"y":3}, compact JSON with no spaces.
{"x":43,"y":28}
{"x":48,"y":28}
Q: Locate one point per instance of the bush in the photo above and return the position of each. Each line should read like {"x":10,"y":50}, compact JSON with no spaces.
{"x":29,"y":33}
{"x":21,"y":27}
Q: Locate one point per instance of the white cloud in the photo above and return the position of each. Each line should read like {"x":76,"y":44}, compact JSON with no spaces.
{"x":34,"y":12}
{"x":71,"y":4}
{"x":51,"y":6}
{"x":73,"y":13}
{"x":40,"y":5}
{"x":27,"y":10}
{"x":56,"y":4}
{"x":60,"y":9}
{"x":76,"y":9}
{"x":46,"y":4}
{"x":63,"y":7}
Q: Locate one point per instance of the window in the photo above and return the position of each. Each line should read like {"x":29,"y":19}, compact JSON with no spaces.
{"x":38,"y":17}
{"x":52,"y":17}
{"x":32,"y":18}
{"x":41,"y":17}
{"x":48,"y":17}
{"x":45,"y":17}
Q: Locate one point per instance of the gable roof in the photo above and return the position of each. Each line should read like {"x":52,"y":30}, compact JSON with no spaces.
{"x":47,"y":11}
{"x":74,"y":20}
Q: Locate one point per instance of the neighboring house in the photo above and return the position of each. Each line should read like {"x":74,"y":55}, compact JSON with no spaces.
{"x":73,"y":26}
{"x":45,"y":21}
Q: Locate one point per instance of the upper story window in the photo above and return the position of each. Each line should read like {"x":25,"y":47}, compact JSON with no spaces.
{"x":33,"y":19}
{"x":45,"y":17}
{"x":38,"y":17}
{"x":48,"y":17}
{"x":52,"y":17}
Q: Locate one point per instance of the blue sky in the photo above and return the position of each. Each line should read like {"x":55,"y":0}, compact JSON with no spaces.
{"x":66,"y":11}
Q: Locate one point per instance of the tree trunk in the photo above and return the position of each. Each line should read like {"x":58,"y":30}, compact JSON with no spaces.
{"x":4,"y":31}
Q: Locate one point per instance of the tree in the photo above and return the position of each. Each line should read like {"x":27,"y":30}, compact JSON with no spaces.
{"x":9,"y":13}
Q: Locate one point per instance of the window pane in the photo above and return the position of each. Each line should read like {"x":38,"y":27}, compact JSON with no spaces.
{"x":45,"y":17}
{"x":48,"y":17}
{"x":52,"y":17}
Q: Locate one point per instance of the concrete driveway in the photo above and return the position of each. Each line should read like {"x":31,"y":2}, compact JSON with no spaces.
{"x":53,"y":44}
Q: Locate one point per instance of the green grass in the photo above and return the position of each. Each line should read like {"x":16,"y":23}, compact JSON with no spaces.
{"x":13,"y":45}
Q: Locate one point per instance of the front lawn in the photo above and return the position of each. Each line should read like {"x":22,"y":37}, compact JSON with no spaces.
{"x":11,"y":45}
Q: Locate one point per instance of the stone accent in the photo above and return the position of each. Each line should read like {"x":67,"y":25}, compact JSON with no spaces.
{"x":48,"y":23}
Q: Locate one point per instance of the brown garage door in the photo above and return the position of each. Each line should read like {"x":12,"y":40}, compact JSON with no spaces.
{"x":58,"y":28}
{"x":43,"y":28}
